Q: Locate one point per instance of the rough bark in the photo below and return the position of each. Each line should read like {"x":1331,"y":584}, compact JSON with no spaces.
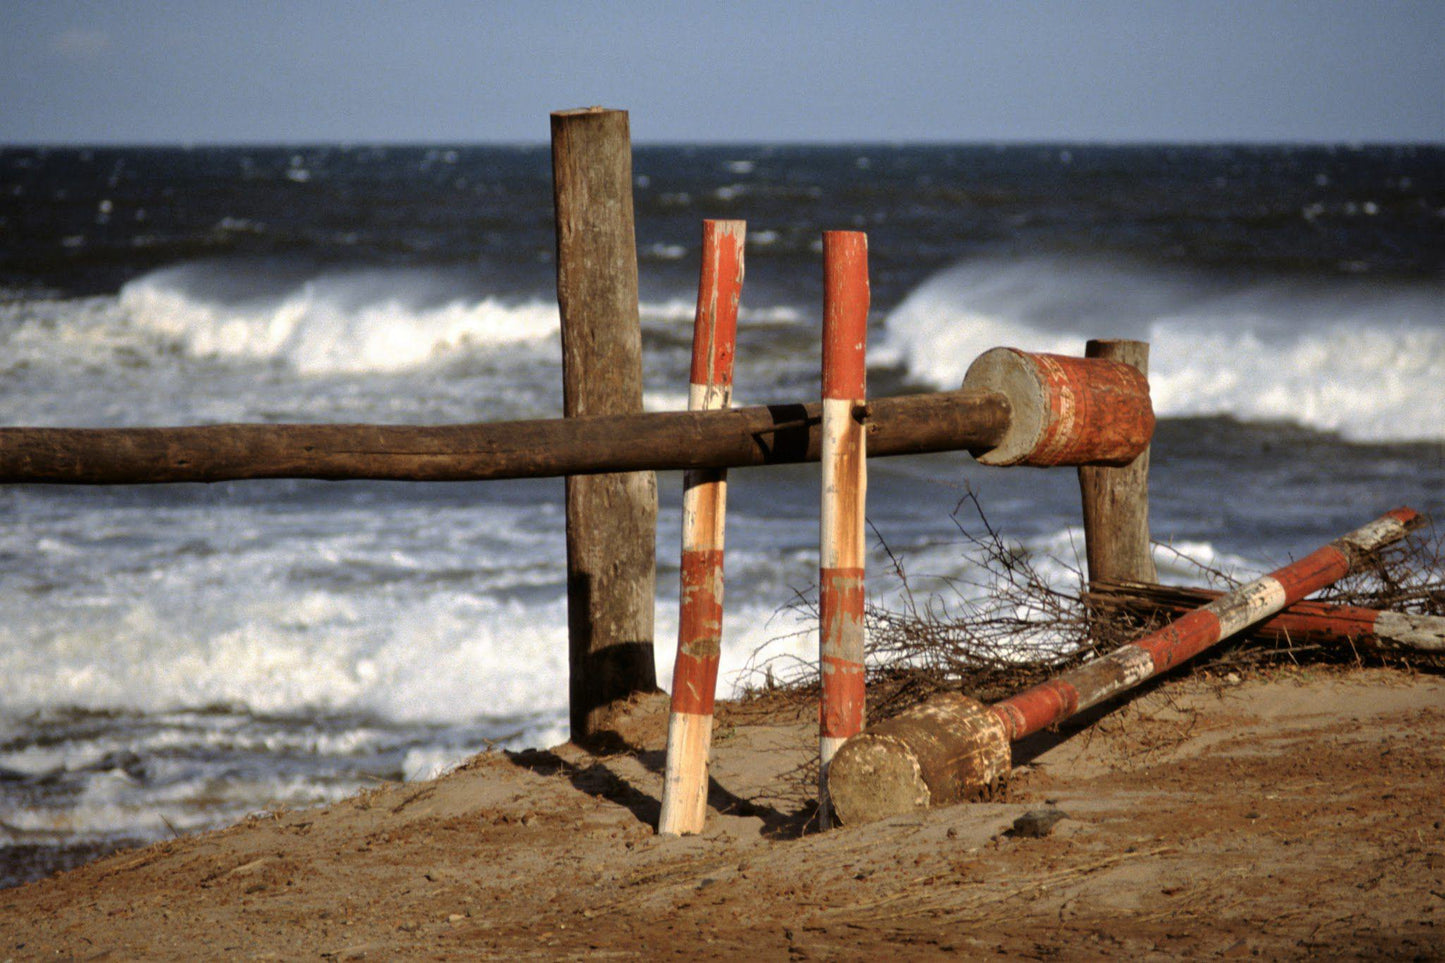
{"x":611,"y":519}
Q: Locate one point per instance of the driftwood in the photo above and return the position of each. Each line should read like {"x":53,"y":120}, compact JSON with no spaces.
{"x":1303,"y":622}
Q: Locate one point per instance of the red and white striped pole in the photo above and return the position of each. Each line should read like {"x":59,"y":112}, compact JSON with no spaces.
{"x":953,"y":748}
{"x":845,"y":482}
{"x":1302,"y":622}
{"x":1096,"y":680}
{"x":704,"y":503}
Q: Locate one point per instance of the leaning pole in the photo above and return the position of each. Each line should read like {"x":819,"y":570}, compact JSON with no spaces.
{"x":953,"y":748}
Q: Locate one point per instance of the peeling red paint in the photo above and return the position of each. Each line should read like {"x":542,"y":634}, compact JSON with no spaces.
{"x":1094,"y":411}
{"x":845,"y":309}
{"x":1053,"y":701}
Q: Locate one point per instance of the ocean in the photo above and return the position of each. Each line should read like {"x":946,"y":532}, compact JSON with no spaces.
{"x":175,"y":657}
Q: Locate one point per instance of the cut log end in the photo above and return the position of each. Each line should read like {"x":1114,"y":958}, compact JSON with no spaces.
{"x":881,"y":778}
{"x":1065,"y":411}
{"x":950,"y":749}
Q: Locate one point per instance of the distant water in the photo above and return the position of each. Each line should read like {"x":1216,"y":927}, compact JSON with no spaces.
{"x":175,"y":657}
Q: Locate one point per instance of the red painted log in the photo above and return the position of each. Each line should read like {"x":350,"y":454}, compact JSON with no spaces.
{"x":947,"y":750}
{"x":1066,"y":411}
{"x":1303,"y":622}
{"x":704,"y":505}
{"x":840,"y":577}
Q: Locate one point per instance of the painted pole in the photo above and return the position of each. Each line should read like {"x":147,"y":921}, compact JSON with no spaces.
{"x":1302,"y":623}
{"x":845,"y":482}
{"x":1116,"y":500}
{"x":611,"y":519}
{"x":953,"y":748}
{"x":704,"y":507}
{"x":1063,"y":408}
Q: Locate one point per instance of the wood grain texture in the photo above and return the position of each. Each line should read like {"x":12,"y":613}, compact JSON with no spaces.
{"x":611,"y":519}
{"x":541,"y":448}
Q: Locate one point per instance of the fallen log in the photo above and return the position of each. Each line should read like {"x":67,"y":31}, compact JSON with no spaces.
{"x":1303,"y":622}
{"x":953,"y":748}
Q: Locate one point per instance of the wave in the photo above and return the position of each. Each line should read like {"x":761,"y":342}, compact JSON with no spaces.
{"x":378,"y":320}
{"x":316,"y":323}
{"x":1363,"y":359}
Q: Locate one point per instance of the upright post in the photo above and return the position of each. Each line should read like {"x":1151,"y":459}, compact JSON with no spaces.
{"x":611,"y":519}
{"x":840,"y":580}
{"x":1116,"y":500}
{"x":704,"y":506}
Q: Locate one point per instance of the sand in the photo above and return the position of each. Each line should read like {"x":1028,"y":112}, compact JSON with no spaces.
{"x":1294,"y":814}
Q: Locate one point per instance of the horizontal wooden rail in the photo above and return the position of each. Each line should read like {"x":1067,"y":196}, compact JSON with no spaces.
{"x":967,"y":419}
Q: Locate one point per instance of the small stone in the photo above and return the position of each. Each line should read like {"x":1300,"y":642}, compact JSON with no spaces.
{"x":1037,"y":823}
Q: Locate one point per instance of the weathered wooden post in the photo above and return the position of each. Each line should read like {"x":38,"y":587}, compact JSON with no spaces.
{"x":704,"y":510}
{"x":952,"y":748}
{"x":845,"y":482}
{"x":611,"y":519}
{"x":1116,"y":500}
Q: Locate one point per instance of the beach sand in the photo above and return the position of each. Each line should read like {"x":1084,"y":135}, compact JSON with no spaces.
{"x":1292,"y":813}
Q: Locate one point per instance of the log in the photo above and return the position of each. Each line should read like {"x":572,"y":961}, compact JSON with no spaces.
{"x":544,"y":448}
{"x":980,"y":418}
{"x":1066,"y":411}
{"x":947,"y":749}
{"x":611,"y":518}
{"x":1116,"y":500}
{"x":1303,"y":622}
{"x":841,"y":583}
{"x":704,"y":513}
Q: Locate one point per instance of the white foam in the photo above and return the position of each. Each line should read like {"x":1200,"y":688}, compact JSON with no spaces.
{"x":1365,"y":361}
{"x":365,"y":321}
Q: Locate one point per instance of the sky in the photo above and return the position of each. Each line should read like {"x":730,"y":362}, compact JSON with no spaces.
{"x":447,"y":71}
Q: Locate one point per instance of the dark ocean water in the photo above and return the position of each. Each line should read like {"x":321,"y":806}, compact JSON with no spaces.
{"x":178,"y":656}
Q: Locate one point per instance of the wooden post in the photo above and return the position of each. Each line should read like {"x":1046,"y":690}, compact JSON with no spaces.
{"x":704,"y":508}
{"x":952,"y":748}
{"x":611,"y":519}
{"x":845,"y":483}
{"x":1116,"y":500}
